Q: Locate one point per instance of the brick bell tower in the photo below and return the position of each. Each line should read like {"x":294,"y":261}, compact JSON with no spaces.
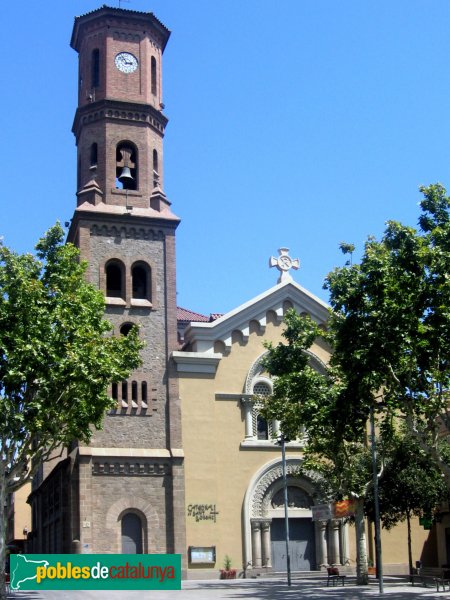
{"x":128,"y":484}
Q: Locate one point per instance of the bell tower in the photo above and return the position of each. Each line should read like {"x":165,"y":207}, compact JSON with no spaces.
{"x":125,"y":229}
{"x":119,"y":125}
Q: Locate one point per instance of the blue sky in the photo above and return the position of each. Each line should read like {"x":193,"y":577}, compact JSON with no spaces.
{"x":291,"y":123}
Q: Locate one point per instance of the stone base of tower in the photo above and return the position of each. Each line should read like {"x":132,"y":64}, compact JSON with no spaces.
{"x":84,"y":503}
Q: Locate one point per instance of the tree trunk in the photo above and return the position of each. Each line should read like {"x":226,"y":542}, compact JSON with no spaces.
{"x":2,"y":529}
{"x":362,"y":575}
{"x":410,"y":560}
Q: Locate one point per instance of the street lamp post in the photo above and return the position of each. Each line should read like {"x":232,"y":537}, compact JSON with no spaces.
{"x":282,"y":441}
{"x":376,"y":501}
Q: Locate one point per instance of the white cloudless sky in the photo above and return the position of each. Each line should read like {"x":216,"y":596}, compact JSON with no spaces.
{"x":297,"y":123}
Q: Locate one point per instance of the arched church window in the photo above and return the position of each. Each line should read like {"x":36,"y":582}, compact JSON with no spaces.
{"x":262,"y":429}
{"x":114,"y":391}
{"x":134,"y":391}
{"x":155,"y":168}
{"x":126,"y":166}
{"x":114,"y":279}
{"x":93,"y":158}
{"x":126,"y":328}
{"x":131,"y":529}
{"x":140,"y":276}
{"x":153,"y":75}
{"x":95,"y":79}
{"x":125,"y":391}
{"x":144,"y":392}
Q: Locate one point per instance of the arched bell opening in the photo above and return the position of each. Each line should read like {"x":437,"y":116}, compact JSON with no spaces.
{"x":126,"y":166}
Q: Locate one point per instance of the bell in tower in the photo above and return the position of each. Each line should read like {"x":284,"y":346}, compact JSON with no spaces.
{"x":126,"y":167}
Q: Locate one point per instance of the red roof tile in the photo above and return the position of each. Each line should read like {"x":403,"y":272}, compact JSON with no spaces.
{"x":183,"y":314}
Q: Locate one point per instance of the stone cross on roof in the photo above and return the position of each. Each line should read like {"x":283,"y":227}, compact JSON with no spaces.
{"x":284,"y":263}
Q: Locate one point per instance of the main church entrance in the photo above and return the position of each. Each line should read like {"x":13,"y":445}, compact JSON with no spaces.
{"x":301,"y":545}
{"x":313,"y":544}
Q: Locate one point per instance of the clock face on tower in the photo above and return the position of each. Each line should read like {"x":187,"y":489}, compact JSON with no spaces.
{"x":126,"y":62}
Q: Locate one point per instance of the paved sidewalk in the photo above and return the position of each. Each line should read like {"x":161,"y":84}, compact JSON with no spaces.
{"x":255,"y":589}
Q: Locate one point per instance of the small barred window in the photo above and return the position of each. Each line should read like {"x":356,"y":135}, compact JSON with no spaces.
{"x":262,"y":389}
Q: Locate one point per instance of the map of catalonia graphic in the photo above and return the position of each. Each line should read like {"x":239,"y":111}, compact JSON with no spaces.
{"x":25,"y":570}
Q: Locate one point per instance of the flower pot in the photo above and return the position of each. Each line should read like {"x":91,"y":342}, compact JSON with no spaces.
{"x":228,"y":574}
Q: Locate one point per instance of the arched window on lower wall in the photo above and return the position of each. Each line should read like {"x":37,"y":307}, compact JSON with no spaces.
{"x":141,"y":281}
{"x":114,"y":270}
{"x":131,"y":530}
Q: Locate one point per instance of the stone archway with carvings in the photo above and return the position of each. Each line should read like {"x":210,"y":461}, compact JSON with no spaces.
{"x":264,"y":506}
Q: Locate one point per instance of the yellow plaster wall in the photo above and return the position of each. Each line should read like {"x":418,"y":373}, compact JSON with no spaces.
{"x":22,"y":511}
{"x":217,"y":470}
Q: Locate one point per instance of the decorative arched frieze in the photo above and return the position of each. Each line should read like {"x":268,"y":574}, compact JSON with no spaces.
{"x":271,"y":481}
{"x":140,"y":233}
{"x":254,"y":372}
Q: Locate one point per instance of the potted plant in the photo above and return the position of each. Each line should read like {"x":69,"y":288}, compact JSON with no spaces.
{"x":227,"y":572}
{"x":371,"y":569}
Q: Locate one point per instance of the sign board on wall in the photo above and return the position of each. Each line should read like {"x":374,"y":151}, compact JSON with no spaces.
{"x":321,"y":512}
{"x":202,"y":555}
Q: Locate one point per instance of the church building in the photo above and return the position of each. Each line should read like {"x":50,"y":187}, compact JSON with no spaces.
{"x":185,"y":463}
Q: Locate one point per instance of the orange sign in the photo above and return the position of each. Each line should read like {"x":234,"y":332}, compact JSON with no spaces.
{"x":344,"y":508}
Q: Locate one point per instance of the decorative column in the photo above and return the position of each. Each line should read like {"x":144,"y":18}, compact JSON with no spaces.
{"x":276,"y":427}
{"x":266,"y":550}
{"x":343,"y":543}
{"x":256,"y":543}
{"x":334,"y":539}
{"x":321,"y":529}
{"x":247,"y":403}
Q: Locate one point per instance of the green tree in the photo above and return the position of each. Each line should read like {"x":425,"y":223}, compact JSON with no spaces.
{"x":391,"y":326}
{"x":336,"y":456}
{"x":410,"y":485}
{"x":57,"y":357}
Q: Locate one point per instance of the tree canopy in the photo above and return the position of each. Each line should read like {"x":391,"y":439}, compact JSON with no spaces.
{"x":389,"y":337}
{"x":410,"y":485}
{"x":391,"y":326}
{"x":57,"y":356}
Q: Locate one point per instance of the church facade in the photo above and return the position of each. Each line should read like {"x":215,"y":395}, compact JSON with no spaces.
{"x":185,"y":463}
{"x":233,"y":463}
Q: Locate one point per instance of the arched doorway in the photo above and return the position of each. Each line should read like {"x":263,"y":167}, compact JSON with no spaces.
{"x":131,"y":526}
{"x":302,"y":543}
{"x":313,"y":545}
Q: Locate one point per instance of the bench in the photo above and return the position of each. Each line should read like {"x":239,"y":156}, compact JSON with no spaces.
{"x":440,"y":577}
{"x":334,"y":577}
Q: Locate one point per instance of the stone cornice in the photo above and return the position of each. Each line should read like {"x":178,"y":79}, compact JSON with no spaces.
{"x":124,"y":452}
{"x":139,"y":223}
{"x":118,"y":110}
{"x":107,"y":16}
{"x":229,"y":396}
{"x":196,"y":362}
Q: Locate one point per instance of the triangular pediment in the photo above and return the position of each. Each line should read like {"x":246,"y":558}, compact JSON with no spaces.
{"x":201,"y":337}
